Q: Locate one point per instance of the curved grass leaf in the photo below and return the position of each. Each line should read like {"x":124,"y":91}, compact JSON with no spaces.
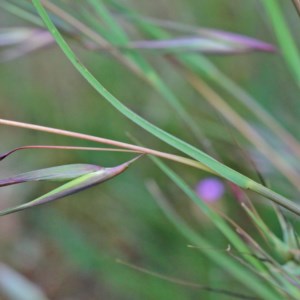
{"x":224,"y":171}
{"x":93,"y":175}
{"x":207,"y":160}
{"x":201,"y":65}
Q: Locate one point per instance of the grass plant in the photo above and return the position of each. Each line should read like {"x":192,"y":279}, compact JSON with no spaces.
{"x":261,"y":264}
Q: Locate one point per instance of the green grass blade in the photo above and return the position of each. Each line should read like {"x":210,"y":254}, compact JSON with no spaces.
{"x":119,"y":37}
{"x":244,"y":127}
{"x":195,"y":153}
{"x":203,"y":66}
{"x":226,"y":230}
{"x":168,"y":138}
{"x":232,"y":237}
{"x":245,"y":276}
{"x":285,"y":39}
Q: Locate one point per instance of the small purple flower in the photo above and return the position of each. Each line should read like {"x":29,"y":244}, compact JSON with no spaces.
{"x":210,"y":189}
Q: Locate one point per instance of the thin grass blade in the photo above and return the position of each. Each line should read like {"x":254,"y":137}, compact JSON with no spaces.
{"x":211,"y":163}
{"x":119,"y":36}
{"x":223,"y":260}
{"x":205,"y":67}
{"x":286,"y":40}
{"x":289,"y":234}
{"x":279,"y":246}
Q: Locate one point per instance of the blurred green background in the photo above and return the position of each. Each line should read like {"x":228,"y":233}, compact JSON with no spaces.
{"x":69,"y":248}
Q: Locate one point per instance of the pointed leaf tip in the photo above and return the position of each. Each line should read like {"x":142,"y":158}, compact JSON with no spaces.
{"x":90,"y":178}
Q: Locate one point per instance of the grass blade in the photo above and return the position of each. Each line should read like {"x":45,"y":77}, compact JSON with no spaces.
{"x":195,"y":153}
{"x":202,"y":65}
{"x":244,"y":127}
{"x":221,"y":259}
{"x":216,"y":219}
{"x":286,"y":41}
{"x":118,"y":36}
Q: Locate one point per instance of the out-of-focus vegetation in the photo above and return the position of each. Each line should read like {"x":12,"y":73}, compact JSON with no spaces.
{"x":72,"y":248}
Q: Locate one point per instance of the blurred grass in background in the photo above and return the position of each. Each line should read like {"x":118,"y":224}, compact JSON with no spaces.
{"x":70,"y":249}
